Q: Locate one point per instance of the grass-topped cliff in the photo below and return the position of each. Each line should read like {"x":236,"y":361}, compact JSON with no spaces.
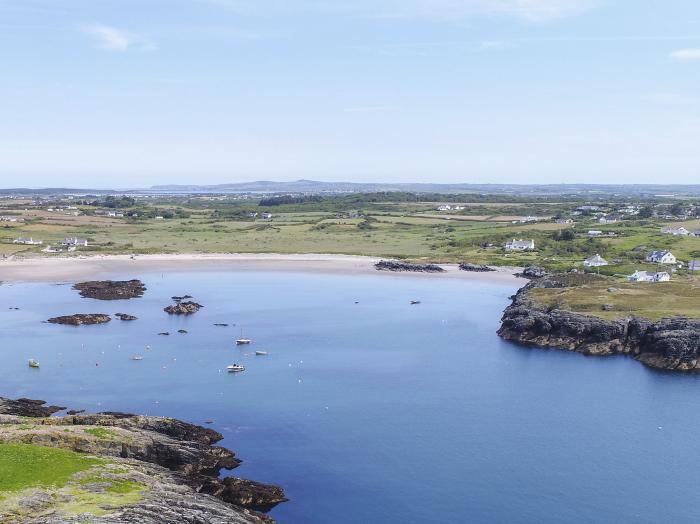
{"x":604,"y":316}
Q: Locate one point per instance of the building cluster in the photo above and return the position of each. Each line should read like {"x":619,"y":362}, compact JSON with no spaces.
{"x":649,"y":276}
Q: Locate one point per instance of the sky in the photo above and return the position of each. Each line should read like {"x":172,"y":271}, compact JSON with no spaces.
{"x":130,"y":93}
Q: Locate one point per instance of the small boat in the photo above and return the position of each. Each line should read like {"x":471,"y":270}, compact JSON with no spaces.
{"x":33,"y":363}
{"x":136,"y":357}
{"x":242,"y":341}
{"x":263,"y":353}
{"x":234,"y":368}
{"x":414,"y":302}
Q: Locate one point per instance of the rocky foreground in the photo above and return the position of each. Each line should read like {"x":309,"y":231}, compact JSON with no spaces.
{"x":111,"y":289}
{"x":671,"y":344}
{"x":146,"y":470}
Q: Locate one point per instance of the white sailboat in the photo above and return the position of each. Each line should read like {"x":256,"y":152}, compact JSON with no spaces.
{"x":242,"y":341}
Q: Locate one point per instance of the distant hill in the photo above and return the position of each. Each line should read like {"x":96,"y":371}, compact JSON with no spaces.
{"x":313,"y":186}
{"x":319,"y":187}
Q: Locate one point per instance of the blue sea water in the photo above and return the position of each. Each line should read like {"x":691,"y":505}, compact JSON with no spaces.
{"x":380,"y":411}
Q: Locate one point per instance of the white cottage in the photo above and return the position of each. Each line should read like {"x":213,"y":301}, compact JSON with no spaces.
{"x":520,"y":245}
{"x":661,"y":257}
{"x":595,"y":261}
{"x":675,"y":231}
{"x":75,"y":241}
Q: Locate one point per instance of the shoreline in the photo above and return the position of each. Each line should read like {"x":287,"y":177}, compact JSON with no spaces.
{"x":52,"y":269}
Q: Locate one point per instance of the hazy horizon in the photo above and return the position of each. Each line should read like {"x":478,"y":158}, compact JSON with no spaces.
{"x":140,"y":93}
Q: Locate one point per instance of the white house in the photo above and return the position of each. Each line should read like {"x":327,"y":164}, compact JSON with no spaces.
{"x":564,"y":221}
{"x":266,"y":216}
{"x":594,"y":233}
{"x":520,"y":245}
{"x":661,"y":257}
{"x":607,"y":220}
{"x":647,"y":276}
{"x":444,"y":208}
{"x":676,"y":231}
{"x":694,"y":265}
{"x":28,"y":241}
{"x":595,"y":261}
{"x":75,"y":241}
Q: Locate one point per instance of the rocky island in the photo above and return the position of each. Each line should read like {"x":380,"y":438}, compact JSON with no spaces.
{"x":183,"y":308}
{"x":111,"y":289}
{"x":117,"y":467}
{"x":80,"y":319}
{"x":671,"y":343}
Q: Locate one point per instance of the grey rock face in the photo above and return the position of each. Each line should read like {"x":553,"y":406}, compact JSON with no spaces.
{"x":672,"y":344}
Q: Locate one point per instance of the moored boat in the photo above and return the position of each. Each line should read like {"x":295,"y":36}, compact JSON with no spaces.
{"x":234,"y":368}
{"x":33,"y":363}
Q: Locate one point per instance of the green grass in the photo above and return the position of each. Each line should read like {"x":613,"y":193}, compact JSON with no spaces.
{"x":24,"y":466}
{"x":102,"y":433}
{"x":642,"y":299}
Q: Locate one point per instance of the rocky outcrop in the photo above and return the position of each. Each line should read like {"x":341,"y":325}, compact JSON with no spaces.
{"x":26,"y":407}
{"x":478,"y":268}
{"x":174,"y":464}
{"x":532,"y":272}
{"x":391,"y":265}
{"x":125,"y":316}
{"x":183,"y":308}
{"x":672,"y":344}
{"x":111,"y":289}
{"x":81,"y":318}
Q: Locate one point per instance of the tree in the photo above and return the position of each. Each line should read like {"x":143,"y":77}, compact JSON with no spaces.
{"x":646,"y":212}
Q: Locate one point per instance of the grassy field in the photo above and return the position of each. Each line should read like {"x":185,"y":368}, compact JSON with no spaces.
{"x":27,"y":466}
{"x":654,"y":301}
{"x":69,"y":478}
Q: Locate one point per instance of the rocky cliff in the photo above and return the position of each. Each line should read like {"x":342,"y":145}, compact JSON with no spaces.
{"x":672,"y":343}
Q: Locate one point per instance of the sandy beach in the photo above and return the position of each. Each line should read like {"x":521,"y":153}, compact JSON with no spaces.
{"x":57,"y":269}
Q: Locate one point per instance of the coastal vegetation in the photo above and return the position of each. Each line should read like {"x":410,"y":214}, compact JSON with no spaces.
{"x":408,"y":226}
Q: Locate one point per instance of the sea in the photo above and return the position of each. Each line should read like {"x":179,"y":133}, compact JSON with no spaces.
{"x":370,"y":409}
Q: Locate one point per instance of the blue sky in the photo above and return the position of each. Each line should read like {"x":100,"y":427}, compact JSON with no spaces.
{"x":137,"y":92}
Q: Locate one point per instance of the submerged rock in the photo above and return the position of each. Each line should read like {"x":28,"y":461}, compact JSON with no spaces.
{"x":391,"y":265}
{"x":111,"y":289}
{"x":183,"y":308}
{"x":81,"y":318}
